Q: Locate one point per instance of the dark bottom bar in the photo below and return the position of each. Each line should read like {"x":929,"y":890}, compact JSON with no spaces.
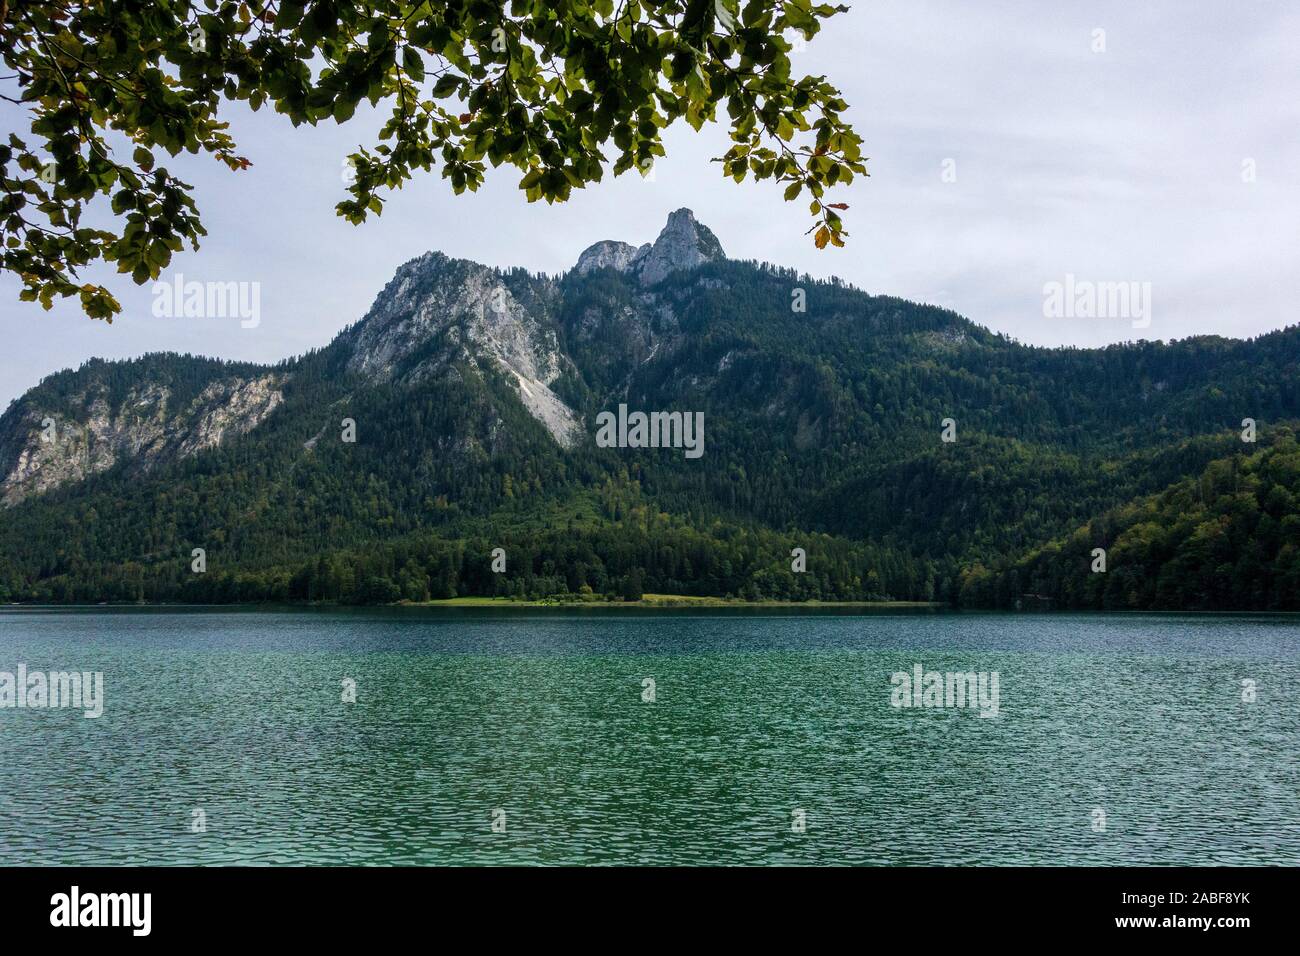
{"x":342,"y":905}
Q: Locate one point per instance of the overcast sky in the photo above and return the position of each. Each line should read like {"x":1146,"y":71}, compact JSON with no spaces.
{"x":1124,"y":165}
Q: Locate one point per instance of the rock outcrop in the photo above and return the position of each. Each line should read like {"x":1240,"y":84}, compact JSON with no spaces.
{"x":683,"y":244}
{"x":45,"y":445}
{"x":440,"y":313}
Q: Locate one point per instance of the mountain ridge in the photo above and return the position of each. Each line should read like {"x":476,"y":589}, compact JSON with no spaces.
{"x":473,"y":392}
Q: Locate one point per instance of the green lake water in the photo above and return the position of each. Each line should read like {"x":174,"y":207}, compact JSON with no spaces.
{"x":537,"y":719}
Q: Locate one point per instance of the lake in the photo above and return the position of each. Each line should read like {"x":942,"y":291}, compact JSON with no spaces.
{"x":486,"y":736}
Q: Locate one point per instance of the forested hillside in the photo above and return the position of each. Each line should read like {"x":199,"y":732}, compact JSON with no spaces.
{"x":1227,"y":539}
{"x":458,"y":416}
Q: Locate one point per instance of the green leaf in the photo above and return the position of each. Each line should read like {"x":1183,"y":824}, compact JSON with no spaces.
{"x":412,"y":63}
{"x":623,"y":83}
{"x":446,"y":85}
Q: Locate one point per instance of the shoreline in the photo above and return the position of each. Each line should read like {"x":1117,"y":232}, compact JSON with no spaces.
{"x":652,"y":601}
{"x":657,"y":602}
{"x":648,"y":601}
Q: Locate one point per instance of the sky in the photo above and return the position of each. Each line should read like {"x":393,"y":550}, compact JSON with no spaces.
{"x":1010,"y":145}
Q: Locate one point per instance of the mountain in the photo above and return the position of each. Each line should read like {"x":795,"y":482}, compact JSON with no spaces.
{"x":464,"y":413}
{"x":141,"y":413}
{"x":683,"y":244}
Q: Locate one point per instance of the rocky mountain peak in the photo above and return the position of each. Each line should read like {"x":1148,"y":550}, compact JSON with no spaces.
{"x":439,"y":311}
{"x":609,"y":254}
{"x":683,"y":243}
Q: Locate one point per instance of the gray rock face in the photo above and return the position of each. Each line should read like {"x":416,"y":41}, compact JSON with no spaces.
{"x":47,"y":449}
{"x":471,"y":316}
{"x":683,"y":244}
{"x":609,"y":254}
